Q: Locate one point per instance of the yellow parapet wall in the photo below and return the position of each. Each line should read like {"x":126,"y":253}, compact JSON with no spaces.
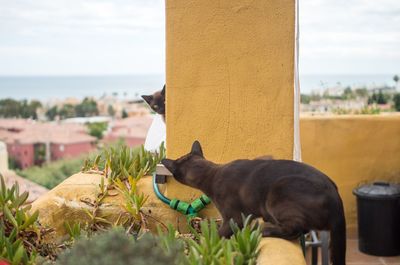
{"x":353,"y":150}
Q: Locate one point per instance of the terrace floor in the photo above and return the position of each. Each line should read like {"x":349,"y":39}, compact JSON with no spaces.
{"x":355,"y":257}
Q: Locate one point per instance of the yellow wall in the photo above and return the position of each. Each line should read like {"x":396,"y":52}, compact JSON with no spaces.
{"x":353,"y":150}
{"x":230,"y":78}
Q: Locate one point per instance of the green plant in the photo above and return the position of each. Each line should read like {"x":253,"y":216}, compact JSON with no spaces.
{"x":169,"y":240}
{"x":370,"y":110}
{"x":97,"y":129}
{"x":20,"y":234}
{"x":67,"y":111}
{"x":209,"y":249}
{"x":124,"y":114}
{"x":134,"y":202}
{"x":51,"y":113}
{"x":87,"y":108}
{"x":10,"y":108}
{"x":74,"y":230}
{"x":12,"y":250}
{"x":52,"y":174}
{"x":122,"y":162}
{"x":246,"y":240}
{"x":97,"y":222}
{"x":124,"y":167}
{"x":13,"y":163}
{"x":379,"y":98}
{"x":396,"y":101}
{"x":341,"y":111}
{"x":209,"y":246}
{"x":111,"y":110}
{"x":117,"y":248}
{"x":15,"y":213}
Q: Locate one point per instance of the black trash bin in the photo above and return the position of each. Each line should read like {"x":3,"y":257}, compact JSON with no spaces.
{"x":378,"y":208}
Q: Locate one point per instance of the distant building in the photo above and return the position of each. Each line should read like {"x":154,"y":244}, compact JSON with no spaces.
{"x":131,"y":107}
{"x":84,"y":120}
{"x":132,"y":130}
{"x":32,"y":143}
{"x":330,"y":105}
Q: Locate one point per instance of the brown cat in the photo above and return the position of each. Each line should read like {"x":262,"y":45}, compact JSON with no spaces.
{"x":292,"y":197}
{"x":157,"y":101}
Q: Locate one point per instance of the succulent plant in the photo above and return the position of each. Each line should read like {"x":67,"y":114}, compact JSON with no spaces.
{"x":117,"y":248}
{"x":123,"y":167}
{"x":122,"y":162}
{"x":12,"y":249}
{"x":209,"y":248}
{"x":20,"y":233}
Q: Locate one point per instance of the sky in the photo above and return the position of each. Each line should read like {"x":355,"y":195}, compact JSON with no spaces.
{"x":90,"y":37}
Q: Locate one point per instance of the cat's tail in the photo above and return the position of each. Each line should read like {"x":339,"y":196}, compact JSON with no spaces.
{"x":338,"y":237}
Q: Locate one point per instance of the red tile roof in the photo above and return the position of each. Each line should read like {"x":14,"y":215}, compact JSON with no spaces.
{"x":31,"y":132}
{"x":133,"y":127}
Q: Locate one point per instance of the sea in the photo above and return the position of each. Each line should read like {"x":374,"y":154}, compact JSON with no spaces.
{"x":46,"y":88}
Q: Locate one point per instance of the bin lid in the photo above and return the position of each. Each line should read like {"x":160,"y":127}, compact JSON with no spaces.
{"x":378,"y":190}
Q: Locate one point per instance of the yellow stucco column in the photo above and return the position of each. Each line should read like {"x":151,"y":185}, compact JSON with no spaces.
{"x":230,"y":78}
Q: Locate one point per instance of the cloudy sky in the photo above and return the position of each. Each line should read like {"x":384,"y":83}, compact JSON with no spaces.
{"x":64,"y":37}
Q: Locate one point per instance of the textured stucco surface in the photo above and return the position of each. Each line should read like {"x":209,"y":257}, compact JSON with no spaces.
{"x":230,"y":70}
{"x":230,"y":77}
{"x":229,"y":80}
{"x":353,"y":150}
{"x":275,"y":251}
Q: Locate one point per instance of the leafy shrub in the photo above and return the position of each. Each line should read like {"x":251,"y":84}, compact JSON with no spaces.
{"x":341,"y":111}
{"x":96,"y":129}
{"x":13,"y":163}
{"x":370,"y":110}
{"x":52,"y":174}
{"x":87,"y":108}
{"x":117,"y":248}
{"x":396,"y":101}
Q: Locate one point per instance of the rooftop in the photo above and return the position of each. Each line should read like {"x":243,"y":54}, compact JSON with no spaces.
{"x":30,"y":132}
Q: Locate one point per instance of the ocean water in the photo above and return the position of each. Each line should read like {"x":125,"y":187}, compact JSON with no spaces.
{"x":59,"y":87}
{"x":132,"y":86}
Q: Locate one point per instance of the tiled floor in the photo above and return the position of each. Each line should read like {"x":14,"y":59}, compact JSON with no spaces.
{"x":355,"y":257}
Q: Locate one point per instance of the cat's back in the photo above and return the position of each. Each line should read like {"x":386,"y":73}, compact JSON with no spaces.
{"x":261,"y":168}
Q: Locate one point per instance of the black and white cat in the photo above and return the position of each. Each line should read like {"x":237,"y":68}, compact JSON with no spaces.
{"x":156,"y":102}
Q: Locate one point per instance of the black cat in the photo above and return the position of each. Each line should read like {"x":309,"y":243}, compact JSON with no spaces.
{"x":291,"y":197}
{"x":157,"y":101}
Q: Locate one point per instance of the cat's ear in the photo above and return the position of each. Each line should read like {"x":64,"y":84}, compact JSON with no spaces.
{"x":147,"y":98}
{"x":163,"y":91}
{"x":169,"y":164}
{"x":196,"y":149}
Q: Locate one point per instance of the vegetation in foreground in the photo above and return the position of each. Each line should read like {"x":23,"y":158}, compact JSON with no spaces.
{"x":126,"y":241}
